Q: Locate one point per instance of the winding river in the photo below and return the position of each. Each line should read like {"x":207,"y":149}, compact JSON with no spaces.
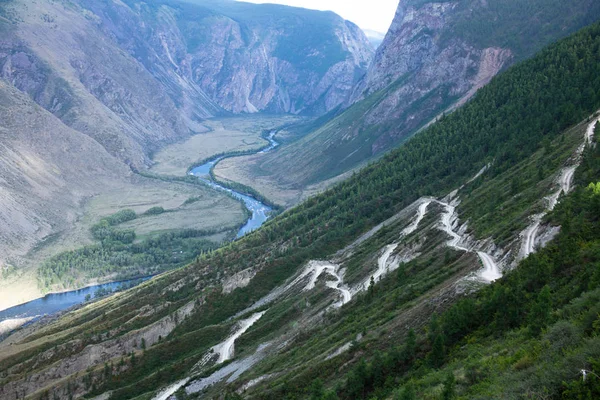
{"x":54,"y":303}
{"x":260,"y":211}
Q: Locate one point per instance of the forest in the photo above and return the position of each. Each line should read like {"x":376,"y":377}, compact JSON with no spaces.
{"x":118,"y":256}
{"x":504,"y":124}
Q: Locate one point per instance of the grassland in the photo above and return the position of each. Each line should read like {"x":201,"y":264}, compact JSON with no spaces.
{"x":238,"y":169}
{"x":209,"y":210}
{"x":226,"y":135}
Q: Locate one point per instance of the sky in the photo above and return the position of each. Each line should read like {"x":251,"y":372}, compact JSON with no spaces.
{"x":375,"y":15}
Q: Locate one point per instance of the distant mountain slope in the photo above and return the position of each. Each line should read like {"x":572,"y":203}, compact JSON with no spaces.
{"x":245,"y":57}
{"x":46,"y":175}
{"x":55,"y":53}
{"x":291,"y":275}
{"x":134,"y":75}
{"x":435,"y":55}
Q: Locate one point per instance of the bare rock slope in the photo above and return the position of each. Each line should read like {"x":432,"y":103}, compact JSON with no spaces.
{"x":434,"y":58}
{"x":44,"y":176}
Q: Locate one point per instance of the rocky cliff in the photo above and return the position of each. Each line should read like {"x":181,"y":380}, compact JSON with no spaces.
{"x":434,"y":58}
{"x":135,"y":75}
{"x":245,"y":57}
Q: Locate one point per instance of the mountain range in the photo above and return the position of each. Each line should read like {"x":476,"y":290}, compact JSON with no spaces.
{"x":459,"y":259}
{"x":130,"y":77}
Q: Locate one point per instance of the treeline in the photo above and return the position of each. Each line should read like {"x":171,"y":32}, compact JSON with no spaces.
{"x":118,"y":256}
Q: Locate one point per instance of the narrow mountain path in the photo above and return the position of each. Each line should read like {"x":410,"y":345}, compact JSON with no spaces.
{"x":565,"y":183}
{"x":448,"y":219}
{"x":491,"y":271}
{"x":420,"y":215}
{"x":224,"y":350}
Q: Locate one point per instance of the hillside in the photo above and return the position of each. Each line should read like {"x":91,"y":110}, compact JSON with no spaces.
{"x":44,"y":177}
{"x":312,"y":292}
{"x":136,"y":75}
{"x":57,"y":182}
{"x":434,"y":57}
{"x":126,"y":79}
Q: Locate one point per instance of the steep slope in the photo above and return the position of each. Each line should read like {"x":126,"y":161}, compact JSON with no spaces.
{"x":45,"y":176}
{"x":302,"y":267}
{"x":56,"y":54}
{"x":245,"y":57}
{"x":434,"y":57}
{"x":135,"y":75}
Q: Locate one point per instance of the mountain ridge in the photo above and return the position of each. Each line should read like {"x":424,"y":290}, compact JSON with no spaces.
{"x":502,"y":127}
{"x":430,"y":62}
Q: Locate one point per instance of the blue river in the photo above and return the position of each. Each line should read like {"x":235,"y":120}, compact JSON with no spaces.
{"x":54,"y":303}
{"x":260,"y":211}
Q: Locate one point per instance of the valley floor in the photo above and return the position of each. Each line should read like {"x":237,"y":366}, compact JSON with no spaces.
{"x":187,"y":206}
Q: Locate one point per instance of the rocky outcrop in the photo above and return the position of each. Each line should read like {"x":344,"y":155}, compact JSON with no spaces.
{"x":245,"y":58}
{"x":238,"y":280}
{"x":435,"y":57}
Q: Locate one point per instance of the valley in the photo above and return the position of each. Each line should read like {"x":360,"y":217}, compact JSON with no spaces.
{"x":183,"y":207}
{"x":233,"y":135}
{"x":214,"y":199}
{"x":92,"y":90}
{"x":386,"y":280}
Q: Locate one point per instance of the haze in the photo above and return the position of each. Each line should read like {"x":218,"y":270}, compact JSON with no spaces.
{"x":374,"y":15}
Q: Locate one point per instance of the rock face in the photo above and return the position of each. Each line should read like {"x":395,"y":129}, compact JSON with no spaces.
{"x":244,"y":57}
{"x":134,"y":75}
{"x":423,"y":66}
{"x":434,"y":58}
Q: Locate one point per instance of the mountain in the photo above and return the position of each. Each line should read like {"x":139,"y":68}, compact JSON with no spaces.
{"x":44,"y":175}
{"x":435,"y":57}
{"x":245,"y":57}
{"x":119,"y":80}
{"x":334,"y":298}
{"x":135,"y":75}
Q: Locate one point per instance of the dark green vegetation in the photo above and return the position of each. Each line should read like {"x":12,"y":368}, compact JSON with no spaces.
{"x":530,"y":334}
{"x":507,"y":123}
{"x":118,"y":256}
{"x":522,"y":26}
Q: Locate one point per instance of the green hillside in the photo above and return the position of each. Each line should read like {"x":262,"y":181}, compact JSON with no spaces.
{"x":182,"y":314}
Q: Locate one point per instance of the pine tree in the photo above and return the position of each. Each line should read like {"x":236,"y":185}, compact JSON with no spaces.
{"x":410,"y":346}
{"x":540,"y":312}
{"x":406,"y":393}
{"x":449,"y":392}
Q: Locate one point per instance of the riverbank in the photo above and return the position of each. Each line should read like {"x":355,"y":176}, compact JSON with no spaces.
{"x":52,"y":303}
